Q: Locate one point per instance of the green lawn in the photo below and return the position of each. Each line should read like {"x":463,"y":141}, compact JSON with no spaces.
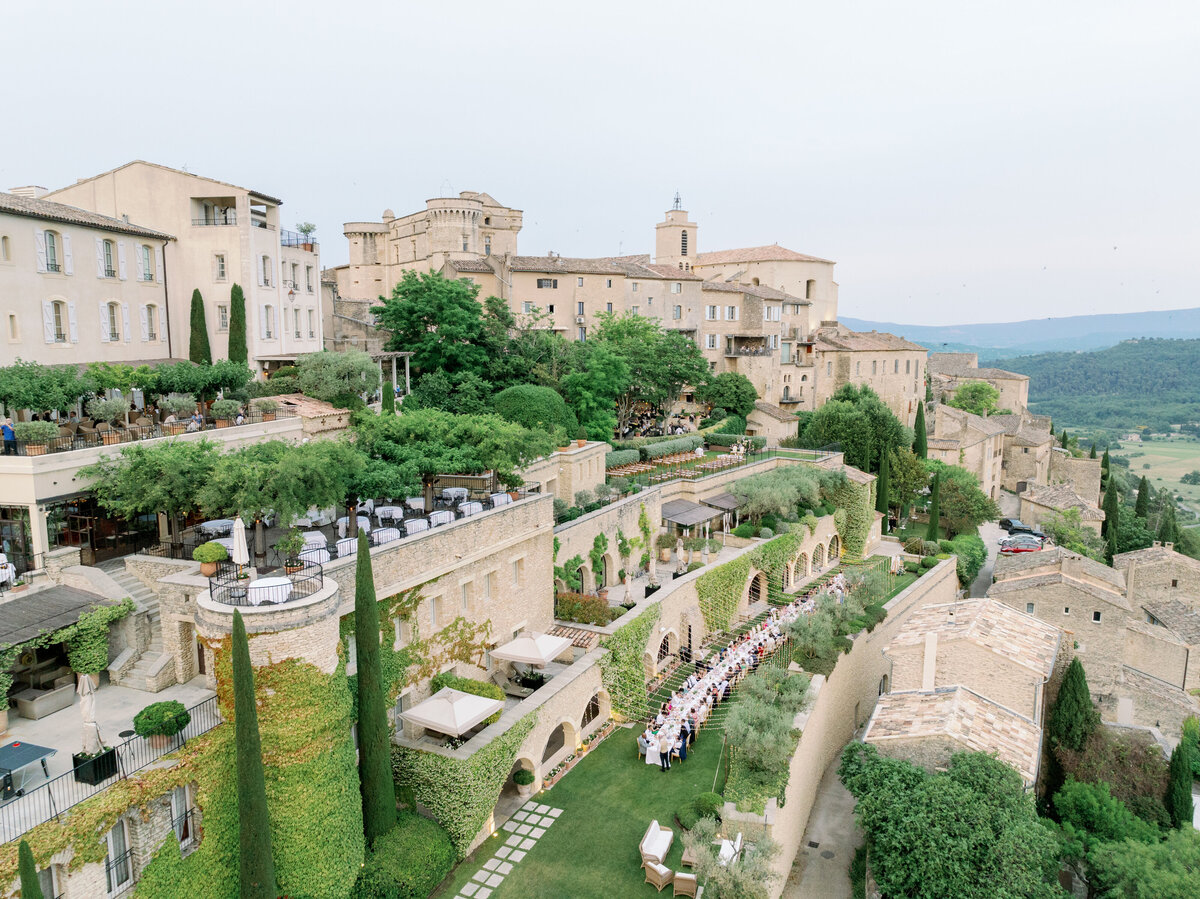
{"x":1164,"y":462}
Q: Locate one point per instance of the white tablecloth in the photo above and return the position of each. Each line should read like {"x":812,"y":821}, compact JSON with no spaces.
{"x":315,"y":538}
{"x":219,"y":526}
{"x":384,"y":513}
{"x":449,"y":494}
{"x":367,"y":505}
{"x":445,"y":516}
{"x":8,"y":572}
{"x":386,"y":535}
{"x":416,"y":525}
{"x":416,"y":503}
{"x":470,"y":509}
{"x":269,"y":589}
{"x":318,"y":554}
{"x":364,"y":524}
{"x":652,"y":756}
{"x":501,"y":499}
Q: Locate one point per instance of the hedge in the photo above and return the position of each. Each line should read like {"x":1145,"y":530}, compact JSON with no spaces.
{"x":468,"y":685}
{"x":730,"y":439}
{"x":734,"y":424}
{"x":621,"y":457}
{"x":536,"y":408}
{"x":668,"y":447}
{"x":407,"y":862}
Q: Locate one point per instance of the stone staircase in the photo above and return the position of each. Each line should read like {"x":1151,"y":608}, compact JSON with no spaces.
{"x":153,"y":669}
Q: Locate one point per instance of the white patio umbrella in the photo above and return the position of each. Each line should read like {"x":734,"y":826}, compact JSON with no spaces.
{"x":532,"y":649}
{"x":453,"y":712}
{"x":87,"y":708}
{"x":241,"y":552}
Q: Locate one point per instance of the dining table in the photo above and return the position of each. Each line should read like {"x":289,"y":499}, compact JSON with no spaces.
{"x":269,"y":589}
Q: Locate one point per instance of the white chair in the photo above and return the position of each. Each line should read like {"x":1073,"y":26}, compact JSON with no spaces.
{"x":729,"y":851}
{"x":347,"y":546}
{"x":444,"y":516}
{"x":318,"y":554}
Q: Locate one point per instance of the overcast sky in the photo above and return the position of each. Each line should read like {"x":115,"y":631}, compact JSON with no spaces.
{"x":960,"y":161}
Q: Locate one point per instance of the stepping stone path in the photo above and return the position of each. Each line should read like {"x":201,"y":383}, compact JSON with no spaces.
{"x":523,"y":830}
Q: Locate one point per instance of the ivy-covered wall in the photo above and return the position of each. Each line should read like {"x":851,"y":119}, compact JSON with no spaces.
{"x":720,"y":591}
{"x":856,"y":504}
{"x":622,"y":670}
{"x":461,"y":794}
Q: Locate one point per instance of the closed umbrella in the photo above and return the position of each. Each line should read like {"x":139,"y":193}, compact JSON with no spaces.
{"x":87,"y":708}
{"x":241,"y":553}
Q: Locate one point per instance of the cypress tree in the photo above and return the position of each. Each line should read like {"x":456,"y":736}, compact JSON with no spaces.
{"x":1142,"y":507}
{"x":1179,"y":786}
{"x":27,"y":870}
{"x":389,"y":397}
{"x":198,"y":348}
{"x":883,"y":487}
{"x":928,"y":389}
{"x":935,"y":510}
{"x":1104,"y":462}
{"x":1168,"y":526}
{"x":1092,"y":454}
{"x":374,"y":756}
{"x":256,"y":872}
{"x":920,"y":439}
{"x":1073,"y":718}
{"x":237,"y":325}
{"x":1112,"y":522}
{"x":1064,"y":438}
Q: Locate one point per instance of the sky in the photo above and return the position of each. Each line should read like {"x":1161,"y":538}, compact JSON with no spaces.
{"x":961,"y":162}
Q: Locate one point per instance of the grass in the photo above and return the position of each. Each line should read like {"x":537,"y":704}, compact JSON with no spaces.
{"x":1164,"y":462}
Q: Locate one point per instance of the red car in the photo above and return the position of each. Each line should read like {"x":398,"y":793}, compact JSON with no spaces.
{"x":1021,"y":545}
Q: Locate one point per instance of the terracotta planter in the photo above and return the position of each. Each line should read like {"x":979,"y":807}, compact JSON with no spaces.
{"x":291,"y":569}
{"x":268,"y":416}
{"x":17,"y":588}
{"x":208,"y":569}
{"x":175,"y":427}
{"x":513,"y":495}
{"x":222,"y":422}
{"x":580,"y":442}
{"x":35,"y":449}
{"x":664,"y":555}
{"x":563,"y":449}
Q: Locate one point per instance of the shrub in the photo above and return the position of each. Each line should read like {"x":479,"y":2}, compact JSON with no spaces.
{"x":36,"y":431}
{"x":695,"y":565}
{"x":523,"y":777}
{"x":106,"y":410}
{"x":665,"y":540}
{"x":407,"y":862}
{"x":930,"y":548}
{"x":536,"y":408}
{"x":687,"y":815}
{"x":734,"y":424}
{"x":560,"y":508}
{"x":181,"y":405}
{"x":581,"y":434}
{"x":266,"y":405}
{"x":210,"y":552}
{"x":929,"y":562}
{"x":224,"y":409}
{"x":911,"y":566}
{"x":730,"y":439}
{"x":582,"y":609}
{"x":161,"y":719}
{"x":766,"y":533}
{"x":914,"y":546}
{"x":669,"y":447}
{"x":468,"y":685}
{"x":709,"y":805}
{"x":621,"y":457}
{"x":745,"y":529}
{"x":584,"y":498}
{"x":603,"y":492}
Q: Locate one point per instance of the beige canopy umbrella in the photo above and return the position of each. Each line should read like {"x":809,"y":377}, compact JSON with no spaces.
{"x":452,"y":712}
{"x":532,"y":649}
{"x":87,"y":709}
{"x":241,"y":552}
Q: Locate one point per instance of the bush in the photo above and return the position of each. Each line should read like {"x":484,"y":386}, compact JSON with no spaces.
{"x":584,"y":498}
{"x":181,"y":405}
{"x":709,"y":805}
{"x":266,"y":405}
{"x":730,"y":439}
{"x":745,"y":529}
{"x":665,"y":540}
{"x":695,"y":565}
{"x":734,"y":424}
{"x":930,"y":548}
{"x":669,"y":447}
{"x":210,"y":552}
{"x":224,"y":409}
{"x":536,"y":408}
{"x":106,"y":410}
{"x":161,"y":719}
{"x":523,"y":777}
{"x":621,"y":457}
{"x":766,"y":533}
{"x":560,"y":508}
{"x":928,"y":562}
{"x":469,"y":685}
{"x":582,"y":609}
{"x":35,"y":431}
{"x":687,"y":816}
{"x":911,"y":567}
{"x":407,"y":862}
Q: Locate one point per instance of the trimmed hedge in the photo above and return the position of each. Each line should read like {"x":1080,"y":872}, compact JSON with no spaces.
{"x":583,"y":609}
{"x":468,"y":685}
{"x":536,"y":408}
{"x":667,"y":447}
{"x":734,"y":424}
{"x":407,"y":862}
{"x":621,"y":457}
{"x":730,"y":439}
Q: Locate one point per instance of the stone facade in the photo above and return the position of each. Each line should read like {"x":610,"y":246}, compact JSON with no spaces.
{"x":1080,"y":473}
{"x":564,"y":473}
{"x":969,"y":441}
{"x":949,"y":371}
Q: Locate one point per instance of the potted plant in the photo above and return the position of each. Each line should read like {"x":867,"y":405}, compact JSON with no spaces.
{"x":580,"y":436}
{"x":307,"y":229}
{"x":223,"y":411}
{"x":290,"y":546}
{"x":36,"y":435}
{"x":108,"y":410}
{"x":561,"y":440}
{"x":208,"y":555}
{"x":524,"y":779}
{"x":159,"y":722}
{"x":665,"y":542}
{"x":267,"y":408}
{"x":94,"y":768}
{"x":181,"y":405}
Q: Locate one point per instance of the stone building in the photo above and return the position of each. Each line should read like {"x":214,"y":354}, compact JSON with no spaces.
{"x":962,"y":438}
{"x":1079,"y":473}
{"x":949,"y":371}
{"x":1026,"y":452}
{"x":1039,"y":503}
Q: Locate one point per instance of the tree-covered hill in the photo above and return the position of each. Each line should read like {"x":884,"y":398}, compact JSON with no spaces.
{"x":1150,"y":382}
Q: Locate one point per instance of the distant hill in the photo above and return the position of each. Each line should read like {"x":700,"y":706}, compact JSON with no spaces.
{"x":1002,"y":340}
{"x":1153,"y":383}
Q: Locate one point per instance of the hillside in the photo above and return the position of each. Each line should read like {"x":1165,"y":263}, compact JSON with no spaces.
{"x":1151,"y":383}
{"x":1003,"y":340}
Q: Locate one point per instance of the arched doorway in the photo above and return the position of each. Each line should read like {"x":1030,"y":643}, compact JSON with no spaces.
{"x":835,"y":548}
{"x":818,"y":558}
{"x":758,"y":588}
{"x":561,"y":743}
{"x":802,"y":566}
{"x":666,"y":648}
{"x":596,"y":712}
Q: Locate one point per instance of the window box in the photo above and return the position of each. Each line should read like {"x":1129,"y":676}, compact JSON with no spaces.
{"x":95,"y":769}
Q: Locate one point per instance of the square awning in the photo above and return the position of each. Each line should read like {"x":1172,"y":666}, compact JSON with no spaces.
{"x":452,"y":712}
{"x":532,"y":649}
{"x":725,"y":501}
{"x":28,"y":614}
{"x":688,"y":514}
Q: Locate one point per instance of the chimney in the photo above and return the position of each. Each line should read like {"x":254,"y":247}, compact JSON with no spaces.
{"x":929,"y":668}
{"x":29,"y":191}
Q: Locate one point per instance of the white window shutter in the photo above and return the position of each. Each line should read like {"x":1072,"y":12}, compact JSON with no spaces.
{"x":121,"y":261}
{"x":99,"y":258}
{"x":103,"y":322}
{"x":73,"y":322}
{"x":68,"y":259}
{"x":145,"y":322}
{"x":48,"y":321}
{"x":260,"y":272}
{"x":137,"y":257}
{"x":39,"y":240}
{"x":158,"y":264}
{"x":263,"y":321}
{"x":125,"y":321}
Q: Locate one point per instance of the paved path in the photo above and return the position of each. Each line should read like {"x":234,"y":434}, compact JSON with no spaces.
{"x":822,"y":871}
{"x":991,"y":534}
{"x":524,"y":829}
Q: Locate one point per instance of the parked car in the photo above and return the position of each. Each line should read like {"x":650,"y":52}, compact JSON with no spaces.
{"x":1016,"y":526}
{"x":1022,"y":544}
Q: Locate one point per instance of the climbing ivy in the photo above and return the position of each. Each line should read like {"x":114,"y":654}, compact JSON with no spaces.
{"x":858,"y":512}
{"x":460,"y":794}
{"x":773,"y":556}
{"x":810,"y":521}
{"x":621,"y":668}
{"x":720,"y":591}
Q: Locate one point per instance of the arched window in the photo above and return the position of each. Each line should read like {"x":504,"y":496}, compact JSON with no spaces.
{"x":592,"y":712}
{"x":53,"y":264}
{"x":5,"y":249}
{"x":110,"y":259}
{"x":683,"y":241}
{"x":113,"y":321}
{"x":810,"y":289}
{"x":754,"y":281}
{"x":487,"y":246}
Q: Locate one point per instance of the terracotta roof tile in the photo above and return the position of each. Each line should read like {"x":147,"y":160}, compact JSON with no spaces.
{"x":1059,"y":496}
{"x":71,"y":215}
{"x":1154,"y":554}
{"x":863,"y":341}
{"x":1178,"y":617}
{"x":771,"y":253}
{"x":776,"y":412}
{"x":564,"y":265}
{"x":754,"y":290}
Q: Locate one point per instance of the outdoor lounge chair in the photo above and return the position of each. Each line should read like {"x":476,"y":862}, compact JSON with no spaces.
{"x":656,"y":843}
{"x":685,"y":885}
{"x":501,"y":681}
{"x":658,"y":876}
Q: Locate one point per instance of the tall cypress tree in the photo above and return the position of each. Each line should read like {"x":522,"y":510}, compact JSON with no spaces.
{"x":1179,"y":786}
{"x":920,"y":439}
{"x":883,"y":487}
{"x":935,"y":510}
{"x":1168,"y":525}
{"x":1065,"y":441}
{"x":1092,"y":454}
{"x":388,"y":402}
{"x":1142,"y":508}
{"x":198,"y":348}
{"x":1112,"y":522}
{"x":27,"y":870}
{"x":1073,"y":717}
{"x":256,"y":871}
{"x":237,"y":325}
{"x":374,"y":757}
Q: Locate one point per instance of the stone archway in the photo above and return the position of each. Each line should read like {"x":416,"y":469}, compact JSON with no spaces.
{"x":818,"y":558}
{"x":562,"y":741}
{"x":586,"y":581}
{"x":612,"y":574}
{"x":835,"y":548}
{"x":667,"y":647}
{"x":757,"y":590}
{"x":789,"y":575}
{"x":802,"y":566}
{"x":596,"y":712}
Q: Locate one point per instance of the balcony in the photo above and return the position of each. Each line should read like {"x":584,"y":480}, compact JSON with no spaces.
{"x":260,"y":223}
{"x":295,"y":239}
{"x":741,"y":345}
{"x":110,"y":272}
{"x":54,"y":267}
{"x":294,"y":579}
{"x":227,"y":218}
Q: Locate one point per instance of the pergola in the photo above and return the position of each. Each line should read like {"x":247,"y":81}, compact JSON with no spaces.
{"x":393,"y":355}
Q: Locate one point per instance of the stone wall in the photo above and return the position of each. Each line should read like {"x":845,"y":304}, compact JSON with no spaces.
{"x":962,"y":662}
{"x":1154,"y":651}
{"x":565,"y":472}
{"x":1082,"y":473}
{"x":577,"y":537}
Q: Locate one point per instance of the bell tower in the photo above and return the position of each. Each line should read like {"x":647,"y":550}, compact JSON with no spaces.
{"x":675,"y":240}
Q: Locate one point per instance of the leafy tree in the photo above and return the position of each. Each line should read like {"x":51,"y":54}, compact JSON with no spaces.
{"x":935,"y":508}
{"x":815,"y":635}
{"x":1192,"y":477}
{"x":163,"y":477}
{"x":1168,"y":527}
{"x":523,"y":348}
{"x":198,"y":348}
{"x":861,"y":422}
{"x":1090,"y":814}
{"x":1133,"y":869}
{"x":418,"y":446}
{"x":597,"y":379}
{"x":237,"y":325}
{"x":256,"y":873}
{"x":907,"y":476}
{"x":374,"y":755}
{"x":1066,"y":441}
{"x":971,"y":553}
{"x":751,"y":878}
{"x":1132,"y":534}
{"x":1142,"y":509}
{"x":340,"y":378}
{"x":1110,"y":529}
{"x":462,"y":392}
{"x":977,"y":397}
{"x":536,"y":408}
{"x":731,"y":391}
{"x":27,"y":870}
{"x":438,"y":319}
{"x":1066,"y":529}
{"x":1092,"y":452}
{"x":1179,"y":786}
{"x":779,"y":493}
{"x":965,"y":506}
{"x":30,"y":385}
{"x":920,"y":438}
{"x":1073,"y":718}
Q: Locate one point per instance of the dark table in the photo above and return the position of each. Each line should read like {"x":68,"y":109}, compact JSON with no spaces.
{"x":14,"y":759}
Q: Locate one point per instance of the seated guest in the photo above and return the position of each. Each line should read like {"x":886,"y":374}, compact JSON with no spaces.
{"x":643,"y":745}
{"x":681,"y":748}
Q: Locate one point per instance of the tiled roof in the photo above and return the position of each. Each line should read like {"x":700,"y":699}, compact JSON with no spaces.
{"x":1023,"y":431}
{"x":962,"y":715}
{"x":470,"y":265}
{"x":958,"y":365}
{"x":71,"y":215}
{"x":167,"y":168}
{"x":754,"y":290}
{"x":1050,"y":578}
{"x":1057,"y":557}
{"x":640,"y":267}
{"x":856,"y":475}
{"x":773,"y":411}
{"x":863,"y":341}
{"x":564,"y":265}
{"x":1059,"y":496}
{"x":772,"y":253}
{"x":1154,"y":554}
{"x":956,"y":424}
{"x":1010,"y":634}
{"x":1178,"y":617}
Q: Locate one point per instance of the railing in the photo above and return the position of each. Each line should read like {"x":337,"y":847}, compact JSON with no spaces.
{"x":690,"y":470}
{"x":53,"y":267}
{"x":118,"y":873}
{"x":24,"y":567}
{"x":84,"y":439}
{"x":294,"y":239}
{"x":110,"y":272}
{"x":183,"y":549}
{"x":62,"y":793}
{"x":229,"y":218}
{"x":259,"y":223}
{"x":227,"y":587}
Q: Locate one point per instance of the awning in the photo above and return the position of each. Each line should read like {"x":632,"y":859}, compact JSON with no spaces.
{"x":29,"y":613}
{"x":724,"y":501}
{"x":687,"y":514}
{"x":452,"y":712}
{"x":532,"y":649}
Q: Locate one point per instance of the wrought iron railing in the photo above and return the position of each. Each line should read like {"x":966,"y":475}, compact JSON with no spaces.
{"x":232,"y":586}
{"x":228,"y":218}
{"x":62,"y":793}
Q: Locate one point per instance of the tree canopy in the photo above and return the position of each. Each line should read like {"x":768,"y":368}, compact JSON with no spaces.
{"x":597,"y":378}
{"x":536,"y":408}
{"x":337,"y":377}
{"x":977,"y":397}
{"x":438,"y":319}
{"x":861,"y":422}
{"x":962,"y":503}
{"x":731,"y":391}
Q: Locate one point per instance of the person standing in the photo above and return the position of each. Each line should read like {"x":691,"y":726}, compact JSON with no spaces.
{"x":664,"y":752}
{"x":10,"y":437}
